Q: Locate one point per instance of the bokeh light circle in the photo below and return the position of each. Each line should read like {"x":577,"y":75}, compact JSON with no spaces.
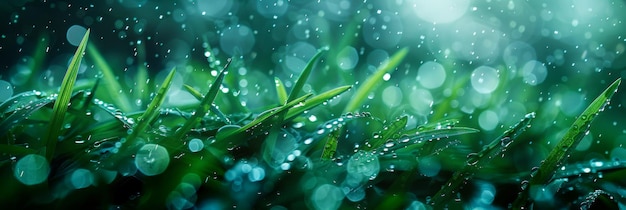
{"x":431,"y":75}
{"x":152,"y":159}
{"x":485,"y":79}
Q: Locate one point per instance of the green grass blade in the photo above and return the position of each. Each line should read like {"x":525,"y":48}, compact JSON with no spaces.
{"x":330,"y":147}
{"x":205,"y":104}
{"x":476,"y":161}
{"x":280,"y":91}
{"x":234,"y":137}
{"x":196,"y":94}
{"x":315,"y":101}
{"x":389,"y":131}
{"x":361,"y":93}
{"x":22,"y":114}
{"x":303,"y":77}
{"x":153,"y":108}
{"x":569,"y":141}
{"x":63,"y":99}
{"x":111,"y":83}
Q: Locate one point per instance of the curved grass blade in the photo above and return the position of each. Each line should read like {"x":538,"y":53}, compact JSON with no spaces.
{"x":22,"y":114}
{"x":361,"y":93}
{"x":214,"y":108}
{"x":476,"y":161}
{"x":111,"y":83}
{"x":389,"y":131}
{"x":570,"y":140}
{"x":303,"y":77}
{"x":280,"y":91}
{"x":63,"y":99}
{"x":237,"y":136}
{"x":153,"y":108}
{"x":316,"y":100}
{"x":205,"y":104}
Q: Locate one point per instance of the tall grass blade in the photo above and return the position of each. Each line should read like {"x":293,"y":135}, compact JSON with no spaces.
{"x":303,"y":77}
{"x":237,"y":136}
{"x":280,"y":91}
{"x":111,"y":83}
{"x":153,"y":108}
{"x":316,"y":100}
{"x":476,"y":161}
{"x":389,"y":131}
{"x":62,"y":102}
{"x":204,"y":106}
{"x":570,"y":140}
{"x":196,"y":94}
{"x":361,"y":93}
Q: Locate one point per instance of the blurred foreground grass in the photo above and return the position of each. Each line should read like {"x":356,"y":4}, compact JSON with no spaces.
{"x":98,"y":143}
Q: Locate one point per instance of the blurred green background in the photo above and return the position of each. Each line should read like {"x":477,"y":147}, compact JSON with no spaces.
{"x":486,"y":63}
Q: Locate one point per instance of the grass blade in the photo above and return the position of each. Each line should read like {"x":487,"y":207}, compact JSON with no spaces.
{"x":389,"y":131}
{"x":303,"y":77}
{"x":234,"y":137}
{"x":475,"y":161}
{"x":280,"y":91}
{"x":316,"y":100}
{"x":111,"y":83}
{"x":62,"y":102}
{"x":204,"y":106}
{"x":331,"y":144}
{"x":570,"y":140}
{"x":153,"y":108}
{"x":371,"y":82}
{"x":214,"y":108}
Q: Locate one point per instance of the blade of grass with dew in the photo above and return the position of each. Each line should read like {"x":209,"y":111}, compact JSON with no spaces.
{"x":61,"y":103}
{"x":570,"y":140}
{"x":476,"y":161}
{"x":389,"y":131}
{"x":280,"y":91}
{"x":205,"y":104}
{"x":111,"y":83}
{"x":270,"y":142}
{"x":297,"y":88}
{"x":153,"y":108}
{"x":422,"y":141}
{"x":330,"y":147}
{"x":234,"y":137}
{"x":361,"y":93}
{"x":316,"y":100}
{"x":196,"y":94}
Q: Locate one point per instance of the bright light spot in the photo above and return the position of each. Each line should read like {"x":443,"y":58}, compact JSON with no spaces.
{"x":6,"y":90}
{"x":81,"y":178}
{"x":195,"y":145}
{"x":392,"y":96}
{"x":422,"y":101}
{"x":488,"y":120}
{"x":347,"y":58}
{"x":534,"y":72}
{"x":152,"y":159}
{"x":431,"y":75}
{"x":327,"y":196}
{"x":31,"y":169}
{"x":75,"y":34}
{"x":443,"y":11}
{"x":237,"y":40}
{"x":485,"y":79}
